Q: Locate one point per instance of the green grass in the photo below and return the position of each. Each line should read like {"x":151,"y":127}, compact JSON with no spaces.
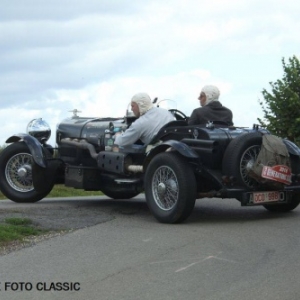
{"x":60,"y":190}
{"x":18,"y":221}
{"x":17,"y":229}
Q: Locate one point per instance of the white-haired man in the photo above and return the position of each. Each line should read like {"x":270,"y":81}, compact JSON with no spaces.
{"x":211,"y":108}
{"x":150,"y":120}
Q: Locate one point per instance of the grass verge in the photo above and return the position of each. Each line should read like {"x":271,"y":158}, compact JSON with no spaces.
{"x":60,"y":190}
{"x":16,"y":229}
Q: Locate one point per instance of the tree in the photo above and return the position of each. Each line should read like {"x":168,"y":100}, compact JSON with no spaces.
{"x":281,"y":106}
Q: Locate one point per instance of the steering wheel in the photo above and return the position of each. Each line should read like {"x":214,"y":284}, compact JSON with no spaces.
{"x":179,"y":115}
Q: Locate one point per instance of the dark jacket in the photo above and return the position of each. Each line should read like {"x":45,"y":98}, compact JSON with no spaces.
{"x":214,"y":111}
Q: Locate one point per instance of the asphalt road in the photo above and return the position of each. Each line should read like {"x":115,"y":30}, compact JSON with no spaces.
{"x":223,"y":251}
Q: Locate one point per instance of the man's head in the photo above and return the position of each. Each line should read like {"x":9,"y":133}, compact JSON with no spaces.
{"x":208,"y":94}
{"x":140,"y":104}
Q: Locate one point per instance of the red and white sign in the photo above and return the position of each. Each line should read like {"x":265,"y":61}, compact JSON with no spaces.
{"x":278,"y":173}
{"x":264,"y":197}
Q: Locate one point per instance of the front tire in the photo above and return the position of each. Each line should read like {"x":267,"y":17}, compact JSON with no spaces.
{"x":16,"y":174}
{"x":170,"y":188}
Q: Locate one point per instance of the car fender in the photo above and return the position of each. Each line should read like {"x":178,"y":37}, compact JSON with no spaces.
{"x":292,"y":148}
{"x":180,"y":147}
{"x":35,"y":147}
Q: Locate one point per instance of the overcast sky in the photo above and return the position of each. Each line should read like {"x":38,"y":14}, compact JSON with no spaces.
{"x":94,"y":55}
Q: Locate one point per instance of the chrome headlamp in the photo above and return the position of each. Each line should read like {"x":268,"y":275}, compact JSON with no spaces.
{"x":39,"y":129}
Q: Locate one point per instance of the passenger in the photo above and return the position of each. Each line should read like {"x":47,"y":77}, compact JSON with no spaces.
{"x":211,"y":108}
{"x":150,"y":120}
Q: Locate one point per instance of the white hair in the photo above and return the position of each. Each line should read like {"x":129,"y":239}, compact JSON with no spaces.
{"x":211,"y":92}
{"x":143,"y":101}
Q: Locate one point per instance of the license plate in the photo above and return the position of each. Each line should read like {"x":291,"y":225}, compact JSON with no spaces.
{"x":266,"y":197}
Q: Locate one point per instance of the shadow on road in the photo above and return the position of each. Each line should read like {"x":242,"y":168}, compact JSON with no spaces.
{"x":75,"y":213}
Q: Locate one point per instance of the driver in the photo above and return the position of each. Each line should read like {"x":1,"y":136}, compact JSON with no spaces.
{"x":211,"y":108}
{"x":150,"y":120}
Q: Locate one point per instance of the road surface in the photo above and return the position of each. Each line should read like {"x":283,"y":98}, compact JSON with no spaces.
{"x":223,"y":251}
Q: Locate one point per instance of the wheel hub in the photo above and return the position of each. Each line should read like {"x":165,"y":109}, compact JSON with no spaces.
{"x":22,"y":172}
{"x":161,"y":189}
{"x":249,"y":165}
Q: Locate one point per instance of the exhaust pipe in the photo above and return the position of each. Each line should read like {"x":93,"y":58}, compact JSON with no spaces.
{"x":82,"y":144}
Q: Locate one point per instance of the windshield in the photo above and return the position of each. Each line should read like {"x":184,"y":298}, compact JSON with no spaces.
{"x":167,"y":104}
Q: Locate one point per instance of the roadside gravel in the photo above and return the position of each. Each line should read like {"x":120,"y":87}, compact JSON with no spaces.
{"x":57,"y":217}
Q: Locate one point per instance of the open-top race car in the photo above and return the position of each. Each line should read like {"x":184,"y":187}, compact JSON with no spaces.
{"x":181,"y":164}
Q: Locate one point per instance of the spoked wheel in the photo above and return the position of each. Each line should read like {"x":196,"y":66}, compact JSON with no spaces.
{"x":246,"y":163}
{"x":16,"y":174}
{"x":170,"y":188}
{"x":240,"y":156}
{"x":165,"y":188}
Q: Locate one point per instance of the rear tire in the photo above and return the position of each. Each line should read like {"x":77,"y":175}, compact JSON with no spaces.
{"x":170,"y":188}
{"x":286,"y":207}
{"x":116,"y":190}
{"x":115,"y":194}
{"x":240,"y":156}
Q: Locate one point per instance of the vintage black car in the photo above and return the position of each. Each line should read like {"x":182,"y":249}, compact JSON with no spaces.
{"x":183,"y":163}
